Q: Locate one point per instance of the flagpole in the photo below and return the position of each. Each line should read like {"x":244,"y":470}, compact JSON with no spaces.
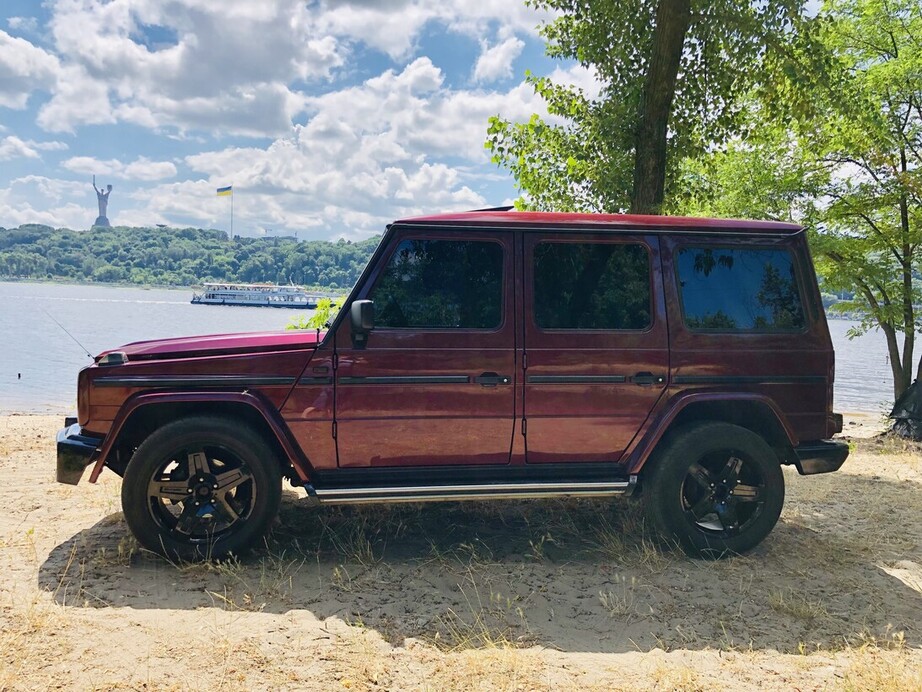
{"x":232,"y":214}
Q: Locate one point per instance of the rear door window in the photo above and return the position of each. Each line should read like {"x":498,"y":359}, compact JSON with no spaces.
{"x":737,"y":289}
{"x":587,"y":285}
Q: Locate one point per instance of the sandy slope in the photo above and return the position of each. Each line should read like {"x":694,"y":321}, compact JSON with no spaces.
{"x":520,"y":595}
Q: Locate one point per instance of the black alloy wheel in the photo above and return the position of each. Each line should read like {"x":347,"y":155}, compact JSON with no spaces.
{"x":714,"y":488}
{"x":201,"y":487}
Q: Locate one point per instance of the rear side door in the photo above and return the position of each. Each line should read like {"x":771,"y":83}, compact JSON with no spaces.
{"x":435,"y":383}
{"x":596,"y":354}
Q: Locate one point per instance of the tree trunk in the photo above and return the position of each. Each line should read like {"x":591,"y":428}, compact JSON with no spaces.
{"x":900,"y":375}
{"x":672,"y":21}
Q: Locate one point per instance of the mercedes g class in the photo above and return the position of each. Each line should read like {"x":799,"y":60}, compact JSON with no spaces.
{"x":490,"y":354}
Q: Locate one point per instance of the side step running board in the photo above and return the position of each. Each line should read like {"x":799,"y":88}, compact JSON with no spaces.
{"x":490,"y":491}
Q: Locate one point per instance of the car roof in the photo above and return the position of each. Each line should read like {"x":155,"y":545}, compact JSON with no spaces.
{"x":526,"y":220}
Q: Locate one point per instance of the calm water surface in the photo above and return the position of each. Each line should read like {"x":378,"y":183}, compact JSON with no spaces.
{"x":39,"y":362}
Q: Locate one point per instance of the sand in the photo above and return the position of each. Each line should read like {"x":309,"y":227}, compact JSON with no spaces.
{"x":518,"y":595}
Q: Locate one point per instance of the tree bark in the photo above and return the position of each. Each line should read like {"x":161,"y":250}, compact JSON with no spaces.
{"x":672,"y":22}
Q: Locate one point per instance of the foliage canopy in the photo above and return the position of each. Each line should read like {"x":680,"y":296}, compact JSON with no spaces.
{"x":672,"y":75}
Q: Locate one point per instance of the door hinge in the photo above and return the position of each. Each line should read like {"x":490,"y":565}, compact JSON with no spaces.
{"x":524,"y":427}
{"x":335,"y":361}
{"x":524,"y":360}
{"x":334,"y":430}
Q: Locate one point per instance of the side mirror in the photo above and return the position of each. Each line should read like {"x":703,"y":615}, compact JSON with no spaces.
{"x":362,"y":319}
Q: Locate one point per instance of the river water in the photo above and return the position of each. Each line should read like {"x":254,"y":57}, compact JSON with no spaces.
{"x":39,"y":361}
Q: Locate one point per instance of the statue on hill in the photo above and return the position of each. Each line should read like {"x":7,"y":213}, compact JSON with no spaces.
{"x":102,"y":199}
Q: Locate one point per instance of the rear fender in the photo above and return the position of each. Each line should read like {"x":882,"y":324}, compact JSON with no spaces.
{"x":269,"y":415}
{"x":752,"y":411}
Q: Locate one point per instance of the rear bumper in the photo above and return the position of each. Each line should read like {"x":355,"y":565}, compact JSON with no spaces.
{"x":820,"y":456}
{"x":76,"y":451}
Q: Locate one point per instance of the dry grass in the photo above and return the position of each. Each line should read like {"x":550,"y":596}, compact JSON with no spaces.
{"x":516,"y":595}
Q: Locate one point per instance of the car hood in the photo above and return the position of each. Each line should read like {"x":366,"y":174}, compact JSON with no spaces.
{"x":218,"y":344}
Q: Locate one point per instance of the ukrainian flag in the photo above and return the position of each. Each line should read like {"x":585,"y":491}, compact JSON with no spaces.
{"x":226,"y":191}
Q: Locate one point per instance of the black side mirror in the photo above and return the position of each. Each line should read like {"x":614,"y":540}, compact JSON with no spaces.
{"x":362,"y":318}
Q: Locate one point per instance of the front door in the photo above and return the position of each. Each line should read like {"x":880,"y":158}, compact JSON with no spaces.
{"x":596,"y":344}
{"x":435,"y":383}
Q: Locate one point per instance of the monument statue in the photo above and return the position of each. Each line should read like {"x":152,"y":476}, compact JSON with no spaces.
{"x":102,"y":199}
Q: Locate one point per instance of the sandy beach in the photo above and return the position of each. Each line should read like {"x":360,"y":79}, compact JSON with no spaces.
{"x":525,"y":595}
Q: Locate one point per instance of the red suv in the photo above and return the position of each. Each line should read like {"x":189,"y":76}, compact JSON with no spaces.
{"x":491,"y":354}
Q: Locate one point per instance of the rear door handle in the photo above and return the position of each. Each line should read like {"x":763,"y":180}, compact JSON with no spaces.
{"x":491,"y":379}
{"x":645,"y":379}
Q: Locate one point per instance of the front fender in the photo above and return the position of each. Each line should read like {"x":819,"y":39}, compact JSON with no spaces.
{"x":144,"y":399}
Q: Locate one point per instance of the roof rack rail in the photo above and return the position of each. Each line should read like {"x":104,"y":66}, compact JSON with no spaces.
{"x":508,"y":208}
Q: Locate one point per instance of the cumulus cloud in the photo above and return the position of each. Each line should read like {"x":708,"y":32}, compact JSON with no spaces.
{"x":13,"y":147}
{"x":60,"y":202}
{"x":495,"y":62}
{"x":393,"y":26}
{"x":368,"y":154}
{"x":140,"y":169}
{"x":24,"y":68}
{"x":28,"y":25}
{"x":342,"y":161}
{"x":227,"y":68}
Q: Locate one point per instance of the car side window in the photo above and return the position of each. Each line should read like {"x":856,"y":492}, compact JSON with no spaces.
{"x":588,"y":285}
{"x":441,"y":284}
{"x":735,"y":289}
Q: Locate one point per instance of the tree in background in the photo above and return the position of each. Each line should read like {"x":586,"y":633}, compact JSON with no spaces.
{"x":672,"y":75}
{"x":849,"y":165}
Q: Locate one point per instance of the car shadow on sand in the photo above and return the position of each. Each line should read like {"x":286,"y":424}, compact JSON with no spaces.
{"x":570,"y":575}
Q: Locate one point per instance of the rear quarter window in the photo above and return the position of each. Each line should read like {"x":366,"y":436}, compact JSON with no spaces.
{"x":728,"y":289}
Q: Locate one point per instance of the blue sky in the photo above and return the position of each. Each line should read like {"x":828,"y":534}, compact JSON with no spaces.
{"x":330,"y":118}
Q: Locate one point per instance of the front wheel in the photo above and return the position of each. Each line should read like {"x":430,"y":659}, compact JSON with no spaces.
{"x":201,"y":487}
{"x":715,"y":488}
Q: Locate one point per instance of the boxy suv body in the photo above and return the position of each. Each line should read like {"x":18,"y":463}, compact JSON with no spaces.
{"x":491,"y":355}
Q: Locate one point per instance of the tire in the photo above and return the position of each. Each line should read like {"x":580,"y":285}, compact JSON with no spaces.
{"x":200,"y":488}
{"x":716,"y":489}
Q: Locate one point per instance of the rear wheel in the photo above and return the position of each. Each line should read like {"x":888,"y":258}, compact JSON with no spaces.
{"x":201,"y":487}
{"x":715,"y":488}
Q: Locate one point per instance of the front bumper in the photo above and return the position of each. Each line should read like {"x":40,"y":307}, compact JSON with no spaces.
{"x":76,"y":451}
{"x":820,"y":456}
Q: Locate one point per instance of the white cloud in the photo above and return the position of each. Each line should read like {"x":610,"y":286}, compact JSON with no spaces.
{"x":77,"y":100}
{"x":24,"y":68}
{"x":340,"y":161}
{"x":495,"y":62}
{"x":393,"y":26}
{"x":27,"y":25}
{"x":13,"y":147}
{"x":397,"y":145}
{"x":228,"y":71}
{"x":140,"y":169}
{"x":59,"y":202}
{"x":228,"y":68}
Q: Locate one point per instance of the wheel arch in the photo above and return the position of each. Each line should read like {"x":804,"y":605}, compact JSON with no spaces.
{"x":750,"y":411}
{"x":143,"y":413}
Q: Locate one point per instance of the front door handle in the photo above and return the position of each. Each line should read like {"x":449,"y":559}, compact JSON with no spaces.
{"x":645,"y":379}
{"x":491,"y":379}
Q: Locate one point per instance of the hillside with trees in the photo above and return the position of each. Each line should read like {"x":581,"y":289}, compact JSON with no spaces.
{"x":176,"y":257}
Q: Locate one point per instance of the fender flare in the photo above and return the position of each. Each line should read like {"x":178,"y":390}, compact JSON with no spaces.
{"x":145,"y":399}
{"x":641,"y":453}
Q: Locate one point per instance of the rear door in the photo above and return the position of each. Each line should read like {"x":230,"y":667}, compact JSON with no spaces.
{"x":435,"y":383}
{"x":595,"y":343}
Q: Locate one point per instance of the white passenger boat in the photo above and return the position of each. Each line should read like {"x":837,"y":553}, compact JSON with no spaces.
{"x":257,"y":295}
